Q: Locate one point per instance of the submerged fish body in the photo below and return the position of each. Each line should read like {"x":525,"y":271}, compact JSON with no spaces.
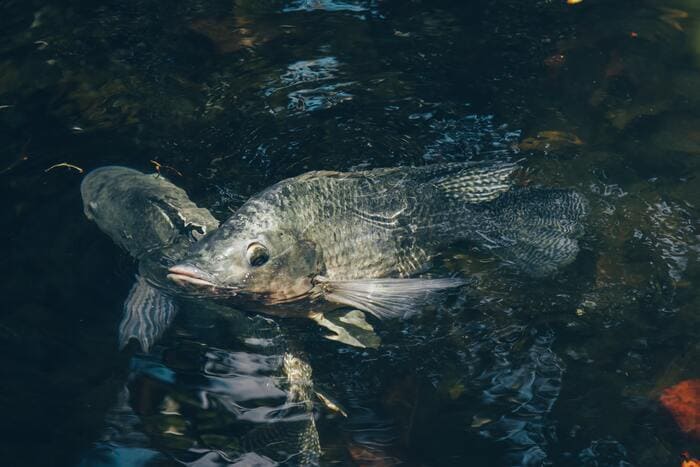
{"x":360,"y":239}
{"x":143,"y":213}
{"x":155,"y":222}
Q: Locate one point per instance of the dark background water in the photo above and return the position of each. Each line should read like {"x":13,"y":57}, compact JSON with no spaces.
{"x":601,"y":96}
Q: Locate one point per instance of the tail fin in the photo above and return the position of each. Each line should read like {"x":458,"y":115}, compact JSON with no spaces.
{"x":535,"y":229}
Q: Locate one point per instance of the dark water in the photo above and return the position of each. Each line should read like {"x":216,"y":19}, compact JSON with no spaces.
{"x":601,"y":96}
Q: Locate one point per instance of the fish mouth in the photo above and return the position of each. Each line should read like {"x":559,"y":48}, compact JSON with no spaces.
{"x":191,"y":277}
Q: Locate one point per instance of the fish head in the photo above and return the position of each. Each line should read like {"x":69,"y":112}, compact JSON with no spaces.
{"x":142,"y":213}
{"x":96,"y":191}
{"x":262,"y":261}
{"x":114,"y":199}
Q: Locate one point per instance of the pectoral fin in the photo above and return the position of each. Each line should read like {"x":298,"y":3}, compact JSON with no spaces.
{"x":384,"y":298}
{"x":147,"y":314}
{"x":348,"y":327}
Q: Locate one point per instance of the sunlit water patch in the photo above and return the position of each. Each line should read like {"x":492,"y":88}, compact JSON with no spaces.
{"x":673,"y":235}
{"x":326,"y":5}
{"x":474,"y":136}
{"x":310,"y":70}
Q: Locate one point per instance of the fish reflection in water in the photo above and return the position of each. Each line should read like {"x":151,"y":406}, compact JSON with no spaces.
{"x":519,"y":390}
{"x":512,"y":380}
{"x":325,"y":5}
{"x":216,"y":406}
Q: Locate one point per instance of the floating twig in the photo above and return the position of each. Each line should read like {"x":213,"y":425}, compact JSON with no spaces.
{"x":159,"y":166}
{"x":23,"y":156}
{"x":65,"y":164}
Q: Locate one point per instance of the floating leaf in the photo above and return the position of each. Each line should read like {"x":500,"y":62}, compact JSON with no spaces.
{"x":455,"y":391}
{"x":549,"y":140}
{"x":478,"y":422}
{"x":688,"y":461}
{"x":683,"y":401}
{"x":371,"y":456}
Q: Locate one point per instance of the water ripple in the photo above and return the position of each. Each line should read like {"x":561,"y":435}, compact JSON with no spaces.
{"x":325,"y":5}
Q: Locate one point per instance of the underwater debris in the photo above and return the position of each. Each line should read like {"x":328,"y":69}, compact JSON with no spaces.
{"x":22,"y":157}
{"x":550,"y":140}
{"x":159,"y":166}
{"x":65,"y":164}
{"x":555,"y":61}
{"x":672,"y":16}
{"x":373,"y":456}
{"x":331,"y":405}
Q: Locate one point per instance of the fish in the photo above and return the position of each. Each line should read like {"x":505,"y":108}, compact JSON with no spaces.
{"x":369,"y":240}
{"x":155,"y":222}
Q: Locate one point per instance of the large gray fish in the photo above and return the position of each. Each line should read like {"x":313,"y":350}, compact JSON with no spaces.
{"x":324,"y":240}
{"x":155,"y":222}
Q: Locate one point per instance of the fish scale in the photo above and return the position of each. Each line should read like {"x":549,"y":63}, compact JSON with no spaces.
{"x":379,"y":223}
{"x":345,"y":214}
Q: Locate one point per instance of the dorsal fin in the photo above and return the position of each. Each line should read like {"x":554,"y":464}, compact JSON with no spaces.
{"x":478,"y":183}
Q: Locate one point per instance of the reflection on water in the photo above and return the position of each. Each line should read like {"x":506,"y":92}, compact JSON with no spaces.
{"x":207,"y":405}
{"x":310,"y":70}
{"x":323,"y":97}
{"x":599,"y":96}
{"x":672,"y":235}
{"x":327,"y":5}
{"x":474,"y":136}
{"x":316,"y":98}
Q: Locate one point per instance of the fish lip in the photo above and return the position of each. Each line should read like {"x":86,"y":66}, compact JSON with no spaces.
{"x":189,"y":276}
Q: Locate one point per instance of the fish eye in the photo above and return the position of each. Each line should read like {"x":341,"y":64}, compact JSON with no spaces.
{"x":257,"y":254}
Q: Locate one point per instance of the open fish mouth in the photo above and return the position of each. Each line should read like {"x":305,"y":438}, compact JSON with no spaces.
{"x":193,"y":278}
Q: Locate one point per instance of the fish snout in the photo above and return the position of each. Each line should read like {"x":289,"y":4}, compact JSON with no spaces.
{"x":190,"y":276}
